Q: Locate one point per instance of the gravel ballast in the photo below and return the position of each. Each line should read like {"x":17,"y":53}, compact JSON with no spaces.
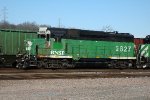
{"x":76,"y":89}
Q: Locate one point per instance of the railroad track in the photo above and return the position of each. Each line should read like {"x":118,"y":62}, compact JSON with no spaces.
{"x":14,"y":74}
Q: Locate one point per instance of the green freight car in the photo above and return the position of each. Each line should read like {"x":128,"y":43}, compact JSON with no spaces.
{"x":12,"y":43}
{"x":59,"y":48}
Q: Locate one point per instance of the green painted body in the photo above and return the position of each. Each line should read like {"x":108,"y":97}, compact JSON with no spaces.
{"x":11,"y":42}
{"x":77,"y":49}
{"x":100,"y":49}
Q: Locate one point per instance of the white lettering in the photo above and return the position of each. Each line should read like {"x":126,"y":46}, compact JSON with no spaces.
{"x":117,"y":48}
{"x":123,"y":48}
{"x":52,"y":52}
{"x":63,"y":52}
{"x":129,"y":48}
{"x":57,"y":52}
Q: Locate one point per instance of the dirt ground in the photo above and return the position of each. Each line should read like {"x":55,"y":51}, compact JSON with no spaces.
{"x":76,"y":89}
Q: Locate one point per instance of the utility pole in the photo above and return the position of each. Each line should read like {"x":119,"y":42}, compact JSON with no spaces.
{"x":4,"y":14}
{"x":59,"y":23}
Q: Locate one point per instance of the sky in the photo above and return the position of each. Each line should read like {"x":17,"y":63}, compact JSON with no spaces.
{"x":126,"y":16}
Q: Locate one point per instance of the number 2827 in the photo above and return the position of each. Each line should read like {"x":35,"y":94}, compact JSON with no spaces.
{"x":123,"y":48}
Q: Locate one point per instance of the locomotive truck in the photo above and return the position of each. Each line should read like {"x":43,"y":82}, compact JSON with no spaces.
{"x":65,"y":48}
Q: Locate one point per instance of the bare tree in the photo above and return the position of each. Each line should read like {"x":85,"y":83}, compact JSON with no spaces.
{"x":32,"y":26}
{"x":44,"y":25}
{"x":7,"y":25}
{"x":107,"y":28}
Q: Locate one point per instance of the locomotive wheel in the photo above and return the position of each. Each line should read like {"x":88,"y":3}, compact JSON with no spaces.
{"x":64,"y":63}
{"x":40,"y":65}
{"x":25,"y":65}
{"x":19,"y":66}
{"x":119,"y":65}
{"x":67,"y":64}
{"x":113,"y":64}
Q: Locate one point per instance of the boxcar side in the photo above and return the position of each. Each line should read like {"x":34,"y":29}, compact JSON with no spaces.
{"x":12,"y":42}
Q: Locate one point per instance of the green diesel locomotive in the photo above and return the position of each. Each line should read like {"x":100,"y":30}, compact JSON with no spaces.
{"x":64,"y":48}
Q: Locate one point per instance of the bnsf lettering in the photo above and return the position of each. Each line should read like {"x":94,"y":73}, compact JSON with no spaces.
{"x":57,"y":52}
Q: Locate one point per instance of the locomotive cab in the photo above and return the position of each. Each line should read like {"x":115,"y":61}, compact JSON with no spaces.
{"x":44,"y":34}
{"x":54,"y":45}
{"x":49,"y":48}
